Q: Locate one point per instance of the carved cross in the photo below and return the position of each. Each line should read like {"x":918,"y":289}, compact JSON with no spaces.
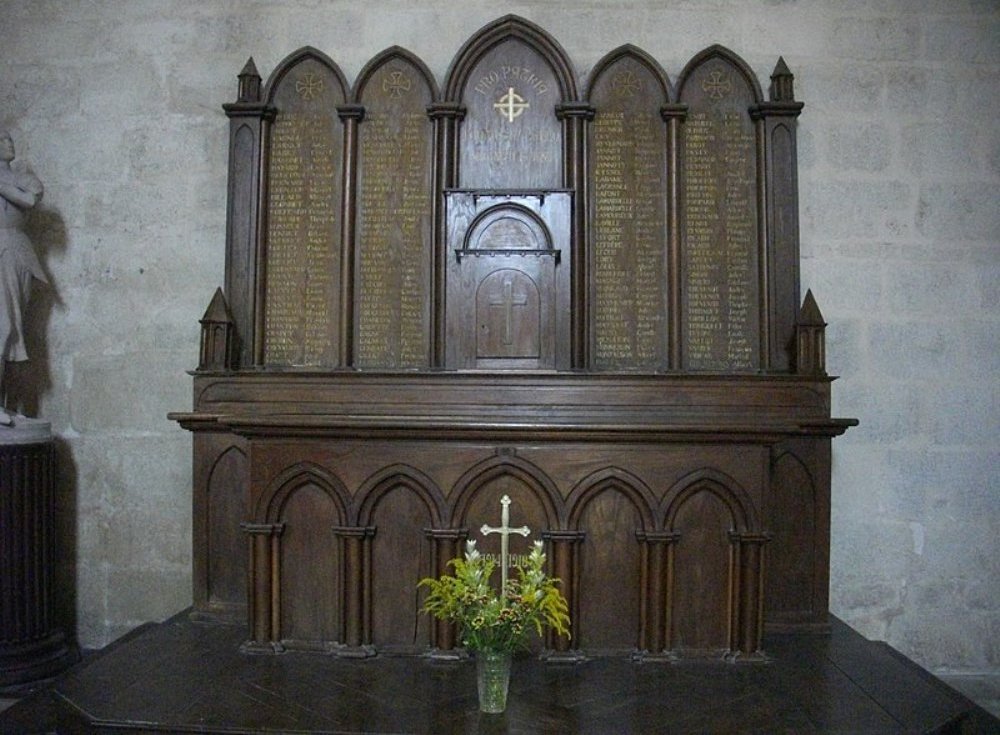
{"x":507,"y":302}
{"x":505,"y":531}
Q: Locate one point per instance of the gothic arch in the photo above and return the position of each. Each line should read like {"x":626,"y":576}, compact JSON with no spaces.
{"x":722,"y":486}
{"x":611,"y":478}
{"x":273,"y":500}
{"x":294,"y":59}
{"x":502,"y":29}
{"x":387,"y":479}
{"x":393,"y":53}
{"x":628,"y":51}
{"x":537,"y":482}
{"x":732,"y":59}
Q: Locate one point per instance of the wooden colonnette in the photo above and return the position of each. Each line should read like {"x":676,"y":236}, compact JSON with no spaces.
{"x":587,"y":300}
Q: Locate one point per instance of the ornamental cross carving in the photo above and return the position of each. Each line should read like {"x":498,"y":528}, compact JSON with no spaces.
{"x":505,"y":531}
{"x":507,"y":300}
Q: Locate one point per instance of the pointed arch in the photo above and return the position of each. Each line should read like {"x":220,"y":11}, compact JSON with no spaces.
{"x":735,"y":498}
{"x":720,"y":52}
{"x":502,"y":29}
{"x":271,"y":502}
{"x":222,"y":574}
{"x":388,"y":56}
{"x":485,"y":472}
{"x":295,"y":58}
{"x":793,"y":520}
{"x":611,"y":478}
{"x":609,"y":509}
{"x":629,"y":51}
{"x":375,"y":488}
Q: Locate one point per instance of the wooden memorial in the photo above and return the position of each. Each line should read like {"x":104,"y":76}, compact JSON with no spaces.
{"x":584,"y":296}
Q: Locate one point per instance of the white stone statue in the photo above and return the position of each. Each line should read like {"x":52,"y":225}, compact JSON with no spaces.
{"x":19,"y":266}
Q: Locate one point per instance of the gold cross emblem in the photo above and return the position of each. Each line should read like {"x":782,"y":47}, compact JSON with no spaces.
{"x":511,"y":105}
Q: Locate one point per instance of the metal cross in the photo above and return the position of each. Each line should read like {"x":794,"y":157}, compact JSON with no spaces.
{"x":505,"y":531}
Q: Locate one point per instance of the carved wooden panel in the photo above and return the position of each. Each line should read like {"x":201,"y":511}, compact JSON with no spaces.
{"x":700,"y":612}
{"x":628,"y":159}
{"x":510,"y":136}
{"x":609,"y":561}
{"x":310,"y":568}
{"x":226,"y":501}
{"x":394,"y":224}
{"x":507,"y":280}
{"x":720,"y":259}
{"x":401,"y":553}
{"x":303,"y":214}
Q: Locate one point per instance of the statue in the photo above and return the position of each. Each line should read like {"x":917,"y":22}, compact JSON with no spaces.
{"x":19,"y":266}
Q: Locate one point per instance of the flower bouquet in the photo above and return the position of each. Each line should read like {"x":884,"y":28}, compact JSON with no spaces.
{"x":494,"y":623}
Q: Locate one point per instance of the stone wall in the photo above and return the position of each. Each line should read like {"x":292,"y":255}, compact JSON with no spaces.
{"x":116,"y":105}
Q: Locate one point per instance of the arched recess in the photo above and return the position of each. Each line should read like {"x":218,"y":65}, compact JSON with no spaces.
{"x":609,"y":508}
{"x":791,"y":557}
{"x":225,"y":545}
{"x":308,"y":503}
{"x":400,"y":503}
{"x":394,"y":241}
{"x":702,"y":512}
{"x":510,"y":77}
{"x":304,"y":182}
{"x":535,"y":501}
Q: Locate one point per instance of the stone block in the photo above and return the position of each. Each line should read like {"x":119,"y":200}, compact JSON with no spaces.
{"x":889,"y":412}
{"x":959,"y":495}
{"x":946,"y":636}
{"x":964,"y":40}
{"x":959,"y":210}
{"x":835,"y":88}
{"x":148,"y":381}
{"x":862,"y":148}
{"x":927,"y":289}
{"x":857,"y":209}
{"x":954,"y":152}
{"x":846,"y":286}
{"x":881,"y":38}
{"x":966,"y":418}
{"x":981,"y":357}
{"x":919,"y":91}
{"x":907,"y":350}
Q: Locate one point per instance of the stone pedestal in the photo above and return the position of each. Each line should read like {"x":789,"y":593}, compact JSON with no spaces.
{"x":32,"y":647}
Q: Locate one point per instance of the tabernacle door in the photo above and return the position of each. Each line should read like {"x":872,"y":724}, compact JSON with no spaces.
{"x":508,"y":280}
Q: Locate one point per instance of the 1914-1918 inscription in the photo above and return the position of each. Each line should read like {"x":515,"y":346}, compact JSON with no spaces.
{"x":394,"y":227}
{"x":303,"y":240}
{"x":629,"y":235}
{"x":720,"y":291}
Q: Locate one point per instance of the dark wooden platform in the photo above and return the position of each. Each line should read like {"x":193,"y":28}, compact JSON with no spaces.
{"x":181,"y":676}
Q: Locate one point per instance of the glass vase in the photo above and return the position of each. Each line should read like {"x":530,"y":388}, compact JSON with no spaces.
{"x":492,"y":679}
